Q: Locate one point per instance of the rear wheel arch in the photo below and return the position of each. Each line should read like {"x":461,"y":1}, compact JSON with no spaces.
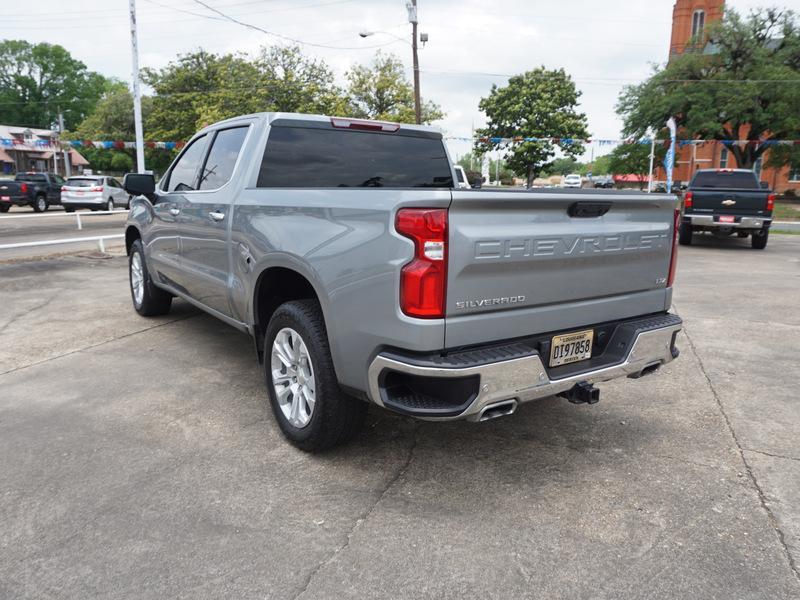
{"x":276,"y":285}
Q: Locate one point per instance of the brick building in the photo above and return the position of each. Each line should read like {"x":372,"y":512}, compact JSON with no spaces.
{"x":689,"y":20}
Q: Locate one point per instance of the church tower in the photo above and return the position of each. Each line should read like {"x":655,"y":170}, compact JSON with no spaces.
{"x":690,"y":18}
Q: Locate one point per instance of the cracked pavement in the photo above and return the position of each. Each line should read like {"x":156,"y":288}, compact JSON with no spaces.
{"x":140,"y":460}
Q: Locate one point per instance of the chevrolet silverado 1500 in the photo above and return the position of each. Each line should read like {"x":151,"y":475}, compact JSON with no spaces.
{"x":364,"y":275}
{"x":724,"y":202}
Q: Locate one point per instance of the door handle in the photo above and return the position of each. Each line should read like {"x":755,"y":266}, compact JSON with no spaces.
{"x":216,"y":215}
{"x":174,"y":211}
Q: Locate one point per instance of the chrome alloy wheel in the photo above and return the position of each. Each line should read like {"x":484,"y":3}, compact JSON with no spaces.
{"x":137,"y":278}
{"x":293,"y":377}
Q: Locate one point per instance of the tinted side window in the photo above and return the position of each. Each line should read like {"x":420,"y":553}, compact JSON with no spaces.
{"x":311,"y":158}
{"x":184,"y":174}
{"x":114,"y":183}
{"x":726,"y":179}
{"x":222,"y":157}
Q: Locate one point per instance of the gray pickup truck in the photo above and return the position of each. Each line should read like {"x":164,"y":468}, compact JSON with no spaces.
{"x":724,"y":202}
{"x":364,"y":275}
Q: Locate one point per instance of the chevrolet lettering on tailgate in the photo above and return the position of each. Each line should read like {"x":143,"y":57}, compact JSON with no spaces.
{"x":570,"y":245}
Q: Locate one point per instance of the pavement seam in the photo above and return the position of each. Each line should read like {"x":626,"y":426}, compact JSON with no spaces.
{"x":365,"y":515}
{"x":761,"y":495}
{"x":92,"y":346}
{"x":783,"y":456}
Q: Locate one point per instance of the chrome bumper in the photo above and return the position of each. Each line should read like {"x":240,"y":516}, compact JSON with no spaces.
{"x":525,"y":379}
{"x":744,"y":222}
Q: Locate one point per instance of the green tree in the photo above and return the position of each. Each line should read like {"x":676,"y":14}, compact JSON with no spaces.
{"x":381,"y":91}
{"x":743,"y":84}
{"x":600,"y":166}
{"x":187,"y":88}
{"x":565,"y":166}
{"x":634,"y":159}
{"x":112,"y":118}
{"x":201,"y":88}
{"x":36,"y":80}
{"x":539,"y":103}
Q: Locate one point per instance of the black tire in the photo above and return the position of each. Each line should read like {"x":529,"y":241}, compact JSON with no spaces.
{"x":742,"y":234}
{"x":40,"y":203}
{"x":337,"y":417}
{"x":685,"y":234}
{"x":110,"y":204}
{"x":69,"y":208}
{"x":759,"y":239}
{"x":155,"y":301}
{"x":4,"y":208}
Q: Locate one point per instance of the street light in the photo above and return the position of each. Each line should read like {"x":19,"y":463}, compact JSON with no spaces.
{"x":411,"y":6}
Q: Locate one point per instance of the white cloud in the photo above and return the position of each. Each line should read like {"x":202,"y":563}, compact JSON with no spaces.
{"x":602,"y":45}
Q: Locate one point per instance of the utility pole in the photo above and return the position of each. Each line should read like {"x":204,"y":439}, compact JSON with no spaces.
{"x":137,"y":99}
{"x":652,"y":158}
{"x":67,"y":166}
{"x":412,"y":18}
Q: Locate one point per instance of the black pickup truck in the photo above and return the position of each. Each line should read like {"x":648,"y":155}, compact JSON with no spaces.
{"x":727,"y":201}
{"x":37,"y":190}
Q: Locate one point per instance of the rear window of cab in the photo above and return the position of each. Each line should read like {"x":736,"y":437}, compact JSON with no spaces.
{"x":315,"y":157}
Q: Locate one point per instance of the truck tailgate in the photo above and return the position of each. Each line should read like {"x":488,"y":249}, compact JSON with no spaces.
{"x":729,"y":201}
{"x":521,"y":263}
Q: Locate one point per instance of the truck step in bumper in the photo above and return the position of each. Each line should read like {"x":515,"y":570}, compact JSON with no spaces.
{"x":466,"y":384}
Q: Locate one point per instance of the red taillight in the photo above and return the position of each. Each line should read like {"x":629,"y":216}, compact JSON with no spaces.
{"x":771,"y":202}
{"x":688,"y":200}
{"x":423,"y":281}
{"x":364,"y":125}
{"x":97,"y":188}
{"x":23,"y":187}
{"x":673,"y":260}
{"x":63,"y":188}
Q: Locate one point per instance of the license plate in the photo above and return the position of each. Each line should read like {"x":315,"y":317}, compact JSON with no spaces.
{"x":571,"y":347}
{"x":5,"y":197}
{"x":79,"y":193}
{"x":727,"y":219}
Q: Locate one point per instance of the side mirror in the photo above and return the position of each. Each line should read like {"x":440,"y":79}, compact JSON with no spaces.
{"x":139,"y":184}
{"x":765,"y":185}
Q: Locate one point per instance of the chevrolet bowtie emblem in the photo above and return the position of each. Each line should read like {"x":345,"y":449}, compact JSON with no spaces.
{"x":729,"y":202}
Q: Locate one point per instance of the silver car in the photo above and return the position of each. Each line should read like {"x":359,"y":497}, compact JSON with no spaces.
{"x":96,"y":192}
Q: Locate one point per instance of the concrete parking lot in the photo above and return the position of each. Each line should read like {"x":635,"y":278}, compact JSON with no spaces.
{"x":21,"y":226}
{"x":140,"y":460}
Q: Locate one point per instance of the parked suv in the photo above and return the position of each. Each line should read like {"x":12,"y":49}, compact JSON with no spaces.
{"x":365,"y":276}
{"x":572,"y":181}
{"x":97,"y":192}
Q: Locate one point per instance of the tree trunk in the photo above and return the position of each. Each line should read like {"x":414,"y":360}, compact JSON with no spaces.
{"x":529,"y":177}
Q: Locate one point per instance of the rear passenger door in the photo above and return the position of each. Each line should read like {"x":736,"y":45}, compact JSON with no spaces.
{"x":205,"y":222}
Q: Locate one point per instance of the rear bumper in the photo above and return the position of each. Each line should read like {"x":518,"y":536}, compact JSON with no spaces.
{"x":83,"y":202}
{"x":17,"y":200}
{"x":462,"y":385}
{"x":711,"y":221}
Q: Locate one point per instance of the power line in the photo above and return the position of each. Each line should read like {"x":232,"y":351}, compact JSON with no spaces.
{"x":285,"y":37}
{"x":76,"y":14}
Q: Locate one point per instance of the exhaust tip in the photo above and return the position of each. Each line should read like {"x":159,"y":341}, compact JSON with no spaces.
{"x":498,"y":409}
